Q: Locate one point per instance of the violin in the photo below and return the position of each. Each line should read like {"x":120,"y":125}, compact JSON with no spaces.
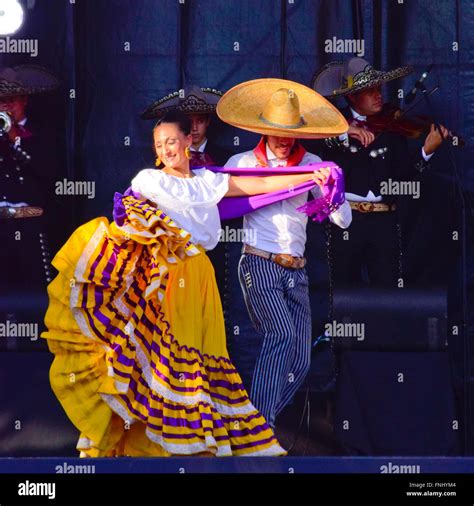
{"x":393,"y":119}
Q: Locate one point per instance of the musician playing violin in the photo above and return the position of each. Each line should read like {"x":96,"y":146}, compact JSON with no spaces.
{"x":369,"y":103}
{"x":375,"y":157}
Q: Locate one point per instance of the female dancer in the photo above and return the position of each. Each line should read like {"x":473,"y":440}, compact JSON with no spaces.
{"x":135,"y":319}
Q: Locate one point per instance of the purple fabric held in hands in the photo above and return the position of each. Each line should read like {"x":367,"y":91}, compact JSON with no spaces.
{"x":234,"y":207}
{"x":318,"y":209}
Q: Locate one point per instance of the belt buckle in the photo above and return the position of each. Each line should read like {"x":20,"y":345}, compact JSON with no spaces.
{"x":8,"y":212}
{"x":285,"y":260}
{"x":366,"y":207}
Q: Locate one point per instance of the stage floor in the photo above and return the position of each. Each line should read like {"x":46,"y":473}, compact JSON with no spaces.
{"x":284,"y":465}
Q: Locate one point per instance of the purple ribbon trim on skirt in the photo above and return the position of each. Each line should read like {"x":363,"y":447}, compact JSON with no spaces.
{"x":119,"y":213}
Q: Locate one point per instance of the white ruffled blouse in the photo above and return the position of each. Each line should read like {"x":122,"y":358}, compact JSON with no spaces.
{"x":190,"y":202}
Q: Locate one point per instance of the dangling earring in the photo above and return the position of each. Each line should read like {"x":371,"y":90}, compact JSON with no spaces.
{"x":158,"y":161}
{"x":187,"y":153}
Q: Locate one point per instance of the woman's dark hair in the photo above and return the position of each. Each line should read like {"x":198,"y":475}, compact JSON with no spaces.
{"x":178,"y":118}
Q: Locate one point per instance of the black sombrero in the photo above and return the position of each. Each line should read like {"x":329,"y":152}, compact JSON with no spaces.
{"x":190,"y":100}
{"x":337,"y":79}
{"x":26,"y":80}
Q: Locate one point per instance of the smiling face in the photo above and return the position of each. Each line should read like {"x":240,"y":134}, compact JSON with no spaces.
{"x":170,"y":143}
{"x":367,"y":102}
{"x":199,"y":124}
{"x":280,"y":146}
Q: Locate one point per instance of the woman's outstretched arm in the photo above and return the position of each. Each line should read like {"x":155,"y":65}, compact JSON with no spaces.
{"x":240,"y":186}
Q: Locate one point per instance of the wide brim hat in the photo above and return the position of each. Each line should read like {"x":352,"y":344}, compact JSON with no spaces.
{"x":337,"y":79}
{"x":190,"y":100}
{"x":26,"y":80}
{"x":281,"y":108}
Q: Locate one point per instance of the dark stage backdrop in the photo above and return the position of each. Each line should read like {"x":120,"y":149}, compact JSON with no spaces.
{"x":114,"y":57}
{"x":120,"y":55}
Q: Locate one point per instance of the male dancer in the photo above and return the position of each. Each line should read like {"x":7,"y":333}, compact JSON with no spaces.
{"x":272,"y":269}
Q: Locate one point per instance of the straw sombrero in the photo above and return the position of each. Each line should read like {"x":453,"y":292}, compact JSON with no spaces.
{"x":337,"y":79}
{"x":282,"y":108}
{"x":190,"y":100}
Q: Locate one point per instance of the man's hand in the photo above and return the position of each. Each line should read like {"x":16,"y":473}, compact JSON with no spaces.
{"x":365,"y":137}
{"x":321,"y":176}
{"x":433,"y":139}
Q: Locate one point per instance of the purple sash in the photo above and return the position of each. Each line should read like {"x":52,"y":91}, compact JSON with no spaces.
{"x":234,"y":207}
{"x":319,"y":209}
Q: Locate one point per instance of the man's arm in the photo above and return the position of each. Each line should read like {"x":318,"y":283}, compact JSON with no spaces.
{"x":342,"y":217}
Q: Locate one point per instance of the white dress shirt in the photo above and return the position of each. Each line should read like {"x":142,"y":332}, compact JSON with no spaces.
{"x":279,"y":227}
{"x":370,"y":197}
{"x":190,"y":202}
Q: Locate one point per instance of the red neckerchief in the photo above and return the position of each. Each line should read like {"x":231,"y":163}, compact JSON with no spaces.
{"x":296,"y":154}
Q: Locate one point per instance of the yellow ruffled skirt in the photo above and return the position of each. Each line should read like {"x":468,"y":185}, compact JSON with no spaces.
{"x":136,"y":326}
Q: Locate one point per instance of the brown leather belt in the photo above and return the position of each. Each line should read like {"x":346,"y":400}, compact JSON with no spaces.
{"x":372,"y":207}
{"x":9,"y":212}
{"x":283,"y":259}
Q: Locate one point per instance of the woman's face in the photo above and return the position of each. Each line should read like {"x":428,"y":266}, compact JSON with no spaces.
{"x":170,"y":143}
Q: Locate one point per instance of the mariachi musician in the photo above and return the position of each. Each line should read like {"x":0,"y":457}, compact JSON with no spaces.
{"x":28,"y":156}
{"x":374,"y":155}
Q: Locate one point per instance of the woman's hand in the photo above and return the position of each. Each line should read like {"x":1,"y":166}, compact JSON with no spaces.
{"x":321,"y":176}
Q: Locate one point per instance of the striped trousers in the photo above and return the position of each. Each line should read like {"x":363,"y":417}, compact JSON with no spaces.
{"x":277,"y":300}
